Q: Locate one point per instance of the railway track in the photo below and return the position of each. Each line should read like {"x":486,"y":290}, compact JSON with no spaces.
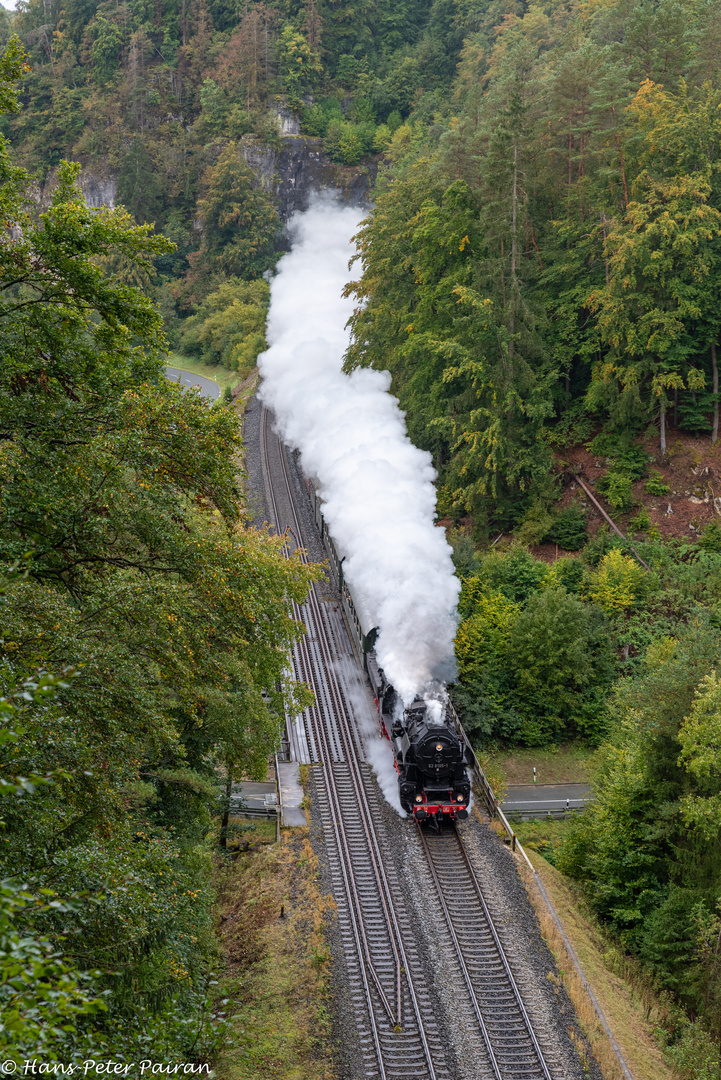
{"x":397,"y":1029}
{"x":396,"y":1019}
{"x":511,"y":1043}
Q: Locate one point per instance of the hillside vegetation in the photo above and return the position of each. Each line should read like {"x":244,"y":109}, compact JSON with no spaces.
{"x":145,"y":629}
{"x":540,"y":274}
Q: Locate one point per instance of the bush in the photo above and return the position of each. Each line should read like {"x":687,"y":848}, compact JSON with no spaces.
{"x":482,"y":638}
{"x":560,"y":653}
{"x":514,"y":573}
{"x":568,"y":574}
{"x":228,"y":327}
{"x":711,"y":539}
{"x":619,"y":583}
{"x":623,"y":454}
{"x":695,"y":1055}
{"x":603,"y":542}
{"x":616,"y":486}
{"x":465,"y":557}
{"x":569,"y":529}
{"x":655,"y":485}
{"x":641,"y":522}
{"x":486,"y":711}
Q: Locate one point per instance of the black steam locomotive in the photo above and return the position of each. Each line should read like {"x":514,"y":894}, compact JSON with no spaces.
{"x":432,"y":753}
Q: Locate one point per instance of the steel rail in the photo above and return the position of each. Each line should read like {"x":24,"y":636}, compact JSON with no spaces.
{"x":382,"y":889}
{"x":499,"y":1069}
{"x":345,"y":740}
{"x":461,"y":959}
{"x":394,"y":931}
{"x":341,"y":834}
{"x":359,"y":936}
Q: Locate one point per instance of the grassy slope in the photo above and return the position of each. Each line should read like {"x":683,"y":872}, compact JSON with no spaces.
{"x":630,"y":1010}
{"x":276,"y":964}
{"x":554,"y":765}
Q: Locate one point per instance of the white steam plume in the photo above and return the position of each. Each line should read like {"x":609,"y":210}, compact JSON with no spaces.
{"x":378,"y":487}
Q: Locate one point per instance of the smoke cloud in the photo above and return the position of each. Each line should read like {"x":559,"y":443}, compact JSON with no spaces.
{"x":377,"y":487}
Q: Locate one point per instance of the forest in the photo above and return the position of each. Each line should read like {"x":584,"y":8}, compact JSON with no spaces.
{"x":540,"y":274}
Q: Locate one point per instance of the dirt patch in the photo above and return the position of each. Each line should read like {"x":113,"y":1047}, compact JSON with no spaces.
{"x":272,"y":921}
{"x":691,"y":469}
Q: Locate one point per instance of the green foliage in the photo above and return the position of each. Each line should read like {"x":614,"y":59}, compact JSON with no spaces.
{"x":515,"y":574}
{"x":138,"y":187}
{"x":465,"y":557}
{"x":700,"y":739}
{"x":559,"y":651}
{"x":618,"y":584}
{"x":616,"y":486}
{"x":428,"y":313}
{"x":535,"y":672}
{"x":655,"y":485}
{"x":711,"y":538}
{"x":624,"y":455}
{"x":298,"y":63}
{"x":42,"y":998}
{"x":648,"y":868}
{"x":239,"y":221}
{"x":228,"y":327}
{"x":640,"y":522}
{"x":482,"y":638}
{"x":568,"y":574}
{"x":569,"y":529}
{"x":173,"y":615}
{"x":695,"y":1055}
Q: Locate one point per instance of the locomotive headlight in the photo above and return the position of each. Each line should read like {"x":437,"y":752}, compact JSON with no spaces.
{"x":419,"y":798}
{"x":459,"y":798}
{"x":439,"y":746}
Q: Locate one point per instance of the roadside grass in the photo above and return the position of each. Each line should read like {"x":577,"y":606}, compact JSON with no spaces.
{"x":253,"y":830}
{"x":544,"y":835}
{"x":223,"y":376}
{"x":565,"y":764}
{"x":272,"y":919}
{"x":631,"y":1006}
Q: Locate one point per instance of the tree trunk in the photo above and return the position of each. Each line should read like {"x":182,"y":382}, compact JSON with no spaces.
{"x":226,"y":811}
{"x":675,"y":406}
{"x":714,"y":389}
{"x":663,"y":428}
{"x":514,"y":245}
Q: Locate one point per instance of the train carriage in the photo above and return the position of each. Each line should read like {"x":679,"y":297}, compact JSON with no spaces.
{"x":432,"y":754}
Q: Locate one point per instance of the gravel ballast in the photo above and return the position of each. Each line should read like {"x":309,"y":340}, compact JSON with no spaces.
{"x":546,"y":1002}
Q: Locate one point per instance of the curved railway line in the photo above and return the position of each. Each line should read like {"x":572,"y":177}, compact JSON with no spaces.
{"x":395,"y":1015}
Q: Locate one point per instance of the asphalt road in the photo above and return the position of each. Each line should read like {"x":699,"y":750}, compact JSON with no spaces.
{"x":253,"y":797}
{"x":525,"y":798}
{"x":208,"y":388}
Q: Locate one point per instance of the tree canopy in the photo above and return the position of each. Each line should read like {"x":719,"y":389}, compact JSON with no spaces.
{"x":120,"y":501}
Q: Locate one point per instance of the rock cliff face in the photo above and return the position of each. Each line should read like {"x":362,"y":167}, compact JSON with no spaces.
{"x":290,"y":170}
{"x":98,"y":191}
{"x":297,"y":167}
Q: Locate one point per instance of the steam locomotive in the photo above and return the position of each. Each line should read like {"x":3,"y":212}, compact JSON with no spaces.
{"x":431,"y":751}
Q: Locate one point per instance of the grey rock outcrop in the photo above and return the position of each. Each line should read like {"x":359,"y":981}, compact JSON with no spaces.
{"x":290,"y":169}
{"x":296,"y":167}
{"x":98,"y":191}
